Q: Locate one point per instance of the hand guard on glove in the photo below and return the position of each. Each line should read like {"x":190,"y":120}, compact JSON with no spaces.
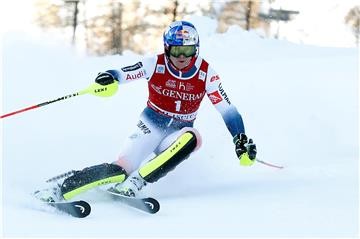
{"x":245,"y":150}
{"x":105,"y":78}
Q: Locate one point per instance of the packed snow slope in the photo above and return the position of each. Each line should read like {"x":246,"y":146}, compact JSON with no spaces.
{"x":299,"y":104}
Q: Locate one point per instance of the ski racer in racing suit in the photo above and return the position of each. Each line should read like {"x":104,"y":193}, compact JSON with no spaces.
{"x":178,"y":80}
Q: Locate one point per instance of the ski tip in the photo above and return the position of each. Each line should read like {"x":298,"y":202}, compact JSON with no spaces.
{"x":152,"y":204}
{"x":147,"y":204}
{"x":84,"y":208}
{"x":78,"y":209}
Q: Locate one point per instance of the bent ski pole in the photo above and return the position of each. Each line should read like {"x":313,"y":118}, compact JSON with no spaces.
{"x":94,"y":89}
{"x":269,"y":164}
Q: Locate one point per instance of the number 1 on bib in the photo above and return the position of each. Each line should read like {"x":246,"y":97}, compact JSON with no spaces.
{"x":178,"y":105}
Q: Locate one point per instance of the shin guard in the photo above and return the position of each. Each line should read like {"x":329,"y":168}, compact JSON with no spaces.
{"x":170,"y":158}
{"x":92,"y":177}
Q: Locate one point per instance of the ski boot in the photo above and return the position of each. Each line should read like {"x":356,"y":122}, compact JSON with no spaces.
{"x":130,"y":187}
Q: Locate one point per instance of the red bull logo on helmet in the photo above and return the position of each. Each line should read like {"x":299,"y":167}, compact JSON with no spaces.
{"x":182,"y":34}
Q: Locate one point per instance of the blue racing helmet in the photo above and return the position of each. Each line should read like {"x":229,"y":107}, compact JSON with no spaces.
{"x":181,"y":33}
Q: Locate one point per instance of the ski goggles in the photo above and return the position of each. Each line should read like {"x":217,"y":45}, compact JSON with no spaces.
{"x":187,"y":51}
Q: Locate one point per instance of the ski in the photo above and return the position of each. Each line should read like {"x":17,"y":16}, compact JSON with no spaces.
{"x":149,"y":205}
{"x":79,"y":209}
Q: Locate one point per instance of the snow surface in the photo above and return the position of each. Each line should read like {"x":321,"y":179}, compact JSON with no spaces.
{"x":299,"y":103}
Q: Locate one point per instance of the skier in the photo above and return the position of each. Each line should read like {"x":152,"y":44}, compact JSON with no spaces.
{"x":177,"y":81}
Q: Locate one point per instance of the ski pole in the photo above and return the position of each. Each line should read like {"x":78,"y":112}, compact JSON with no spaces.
{"x":94,"y":89}
{"x":269,"y":164}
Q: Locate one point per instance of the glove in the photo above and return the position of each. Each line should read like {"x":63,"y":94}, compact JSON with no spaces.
{"x":245,"y":150}
{"x":105,"y":78}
